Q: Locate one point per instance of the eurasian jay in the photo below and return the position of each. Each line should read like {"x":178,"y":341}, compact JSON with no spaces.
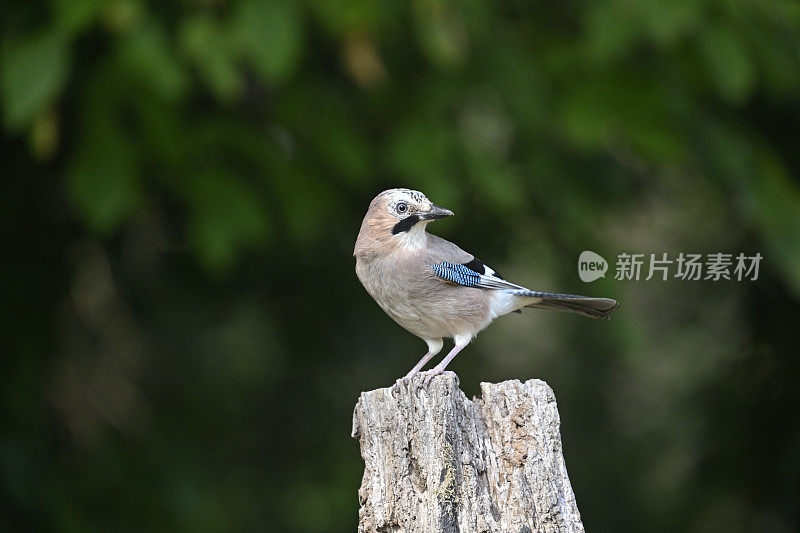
{"x":433,"y":288}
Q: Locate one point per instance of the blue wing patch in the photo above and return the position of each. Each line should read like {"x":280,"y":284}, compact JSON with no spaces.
{"x":473,"y":274}
{"x":457,"y":274}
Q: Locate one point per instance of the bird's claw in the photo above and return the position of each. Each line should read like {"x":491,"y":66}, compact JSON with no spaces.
{"x":423,"y":379}
{"x":428,"y":376}
{"x":401,"y":382}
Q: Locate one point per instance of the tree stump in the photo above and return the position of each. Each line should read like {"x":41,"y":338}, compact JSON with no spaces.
{"x":438,"y":462}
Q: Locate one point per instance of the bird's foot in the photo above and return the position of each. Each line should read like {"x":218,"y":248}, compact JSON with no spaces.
{"x":422,"y":379}
{"x":401,"y":382}
{"x":428,"y":375}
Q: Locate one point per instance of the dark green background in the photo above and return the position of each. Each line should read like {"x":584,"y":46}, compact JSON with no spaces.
{"x":184,"y":336}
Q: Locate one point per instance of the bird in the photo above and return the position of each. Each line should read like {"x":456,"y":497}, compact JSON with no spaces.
{"x":433,"y":288}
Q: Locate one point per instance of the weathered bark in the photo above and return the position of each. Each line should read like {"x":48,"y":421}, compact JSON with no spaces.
{"x":436,"y":461}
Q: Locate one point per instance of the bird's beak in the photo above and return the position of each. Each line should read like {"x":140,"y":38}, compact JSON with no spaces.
{"x":436,"y":212}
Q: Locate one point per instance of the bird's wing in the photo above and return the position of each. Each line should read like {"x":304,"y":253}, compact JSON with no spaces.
{"x":453,"y":265}
{"x":439,"y":250}
{"x":473,"y":273}
{"x":478,"y":275}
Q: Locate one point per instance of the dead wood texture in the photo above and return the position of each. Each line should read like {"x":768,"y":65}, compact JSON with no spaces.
{"x":438,"y":462}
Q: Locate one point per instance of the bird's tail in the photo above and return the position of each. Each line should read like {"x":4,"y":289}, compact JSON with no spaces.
{"x":583,"y":305}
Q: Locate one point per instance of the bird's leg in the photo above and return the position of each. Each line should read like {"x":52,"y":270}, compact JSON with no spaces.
{"x":425,"y":358}
{"x":434,"y":347}
{"x":438,"y":369}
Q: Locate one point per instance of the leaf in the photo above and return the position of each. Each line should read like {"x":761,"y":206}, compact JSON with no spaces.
{"x":667,"y":21}
{"x":775,"y":201}
{"x":75,"y":15}
{"x":343,"y":17}
{"x":729,"y":63}
{"x":103,"y":182}
{"x":210,"y":49}
{"x":33,"y":72}
{"x":441,"y":33}
{"x":148,"y":54}
{"x":610,"y":33}
{"x":778,"y":61}
{"x":270,"y":36}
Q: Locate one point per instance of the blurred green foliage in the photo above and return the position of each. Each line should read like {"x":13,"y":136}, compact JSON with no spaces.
{"x":184,"y":181}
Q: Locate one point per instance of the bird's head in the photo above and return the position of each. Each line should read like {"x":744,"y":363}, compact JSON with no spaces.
{"x":400,"y":215}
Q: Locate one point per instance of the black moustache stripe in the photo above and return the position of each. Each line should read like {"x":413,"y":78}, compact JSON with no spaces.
{"x":405,"y":224}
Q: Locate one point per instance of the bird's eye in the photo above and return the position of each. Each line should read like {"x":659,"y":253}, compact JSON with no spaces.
{"x":402,"y":207}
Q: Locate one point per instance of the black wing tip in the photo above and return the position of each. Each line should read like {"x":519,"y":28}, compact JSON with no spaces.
{"x":607,"y":314}
{"x":584,"y":305}
{"x":479,"y":267}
